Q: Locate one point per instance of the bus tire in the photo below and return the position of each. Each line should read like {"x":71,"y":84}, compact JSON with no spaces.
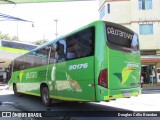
{"x":45,"y":96}
{"x":15,"y":90}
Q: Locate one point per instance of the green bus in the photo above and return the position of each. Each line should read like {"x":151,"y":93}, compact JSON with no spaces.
{"x":98,"y":62}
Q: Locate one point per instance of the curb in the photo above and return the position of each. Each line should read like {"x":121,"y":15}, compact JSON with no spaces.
{"x":150,"y":85}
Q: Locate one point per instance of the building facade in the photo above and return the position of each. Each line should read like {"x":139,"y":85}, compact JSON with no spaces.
{"x":142,"y":16}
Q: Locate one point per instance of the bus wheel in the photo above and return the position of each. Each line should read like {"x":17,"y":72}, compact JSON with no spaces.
{"x":45,"y":96}
{"x":15,"y":90}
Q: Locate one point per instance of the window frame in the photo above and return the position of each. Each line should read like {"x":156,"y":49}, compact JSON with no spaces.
{"x":91,"y":53}
{"x":143,"y":4}
{"x":146,"y":29}
{"x":109,"y":8}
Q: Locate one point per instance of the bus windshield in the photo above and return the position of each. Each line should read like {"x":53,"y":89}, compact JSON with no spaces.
{"x":122,"y":39}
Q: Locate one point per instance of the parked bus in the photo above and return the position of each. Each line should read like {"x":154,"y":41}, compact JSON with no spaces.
{"x":8,"y":51}
{"x":17,"y":45}
{"x":98,"y":62}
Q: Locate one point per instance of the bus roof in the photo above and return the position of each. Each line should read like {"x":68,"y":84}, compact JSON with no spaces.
{"x":79,"y":29}
{"x":70,"y":33}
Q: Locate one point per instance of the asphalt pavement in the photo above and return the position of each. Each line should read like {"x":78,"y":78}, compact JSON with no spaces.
{"x":4,"y":106}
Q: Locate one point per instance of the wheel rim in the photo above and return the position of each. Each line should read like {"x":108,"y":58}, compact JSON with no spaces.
{"x":45,"y":95}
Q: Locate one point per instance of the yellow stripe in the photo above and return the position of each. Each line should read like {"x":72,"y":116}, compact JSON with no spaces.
{"x":120,"y":96}
{"x":56,"y":97}
{"x":13,"y":50}
{"x":29,"y":93}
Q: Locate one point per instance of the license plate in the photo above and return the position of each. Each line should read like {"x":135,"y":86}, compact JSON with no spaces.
{"x":126,"y":94}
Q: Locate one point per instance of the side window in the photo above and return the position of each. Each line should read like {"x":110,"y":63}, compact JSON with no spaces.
{"x":38,"y":57}
{"x":21,"y":61}
{"x":31,"y":58}
{"x":61,"y":50}
{"x":41,"y":56}
{"x":27,"y":61}
{"x":18,"y":64}
{"x":10,"y":67}
{"x":71,"y":47}
{"x":53,"y":54}
{"x":81,"y":44}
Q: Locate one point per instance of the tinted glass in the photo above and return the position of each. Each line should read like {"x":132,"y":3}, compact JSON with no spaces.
{"x":81,"y":44}
{"x":53,"y":53}
{"x":61,"y":50}
{"x":122,"y":38}
{"x":32,"y":59}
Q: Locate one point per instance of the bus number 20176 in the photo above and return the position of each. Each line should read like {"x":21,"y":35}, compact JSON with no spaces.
{"x":78,"y":66}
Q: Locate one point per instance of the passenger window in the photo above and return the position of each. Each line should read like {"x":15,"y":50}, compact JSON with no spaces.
{"x":58,"y":51}
{"x":42,"y":55}
{"x":81,"y":44}
{"x":61,"y":50}
{"x":53,"y":54}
